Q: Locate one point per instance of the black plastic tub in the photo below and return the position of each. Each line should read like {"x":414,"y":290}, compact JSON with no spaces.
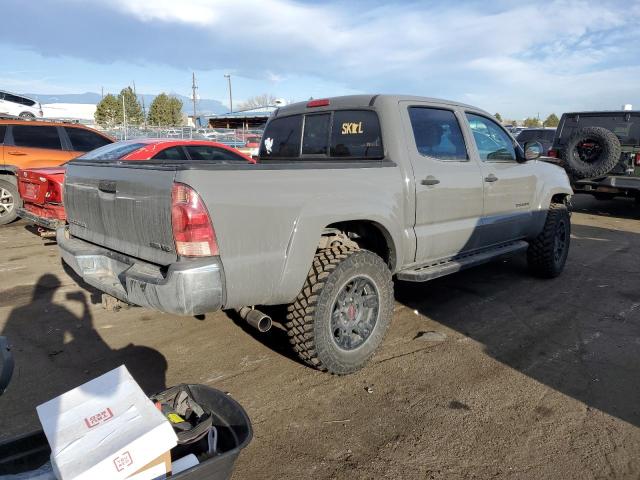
{"x":31,"y":451}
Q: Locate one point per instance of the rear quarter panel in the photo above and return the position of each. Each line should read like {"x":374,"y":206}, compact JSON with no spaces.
{"x":268,"y":221}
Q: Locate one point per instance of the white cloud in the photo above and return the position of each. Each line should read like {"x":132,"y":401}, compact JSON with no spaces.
{"x":500,"y":53}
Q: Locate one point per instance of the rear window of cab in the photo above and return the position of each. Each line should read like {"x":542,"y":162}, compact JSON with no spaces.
{"x":340,"y":134}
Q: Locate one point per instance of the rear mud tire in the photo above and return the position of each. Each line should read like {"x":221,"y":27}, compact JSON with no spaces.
{"x":547,"y":253}
{"x":309,"y":317}
{"x":10,"y":201}
{"x":600,"y":164}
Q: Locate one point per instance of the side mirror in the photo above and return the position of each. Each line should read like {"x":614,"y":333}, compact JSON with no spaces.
{"x":532,"y":150}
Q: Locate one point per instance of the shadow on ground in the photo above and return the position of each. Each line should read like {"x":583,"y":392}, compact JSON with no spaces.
{"x":578,"y":334}
{"x":57,"y":350}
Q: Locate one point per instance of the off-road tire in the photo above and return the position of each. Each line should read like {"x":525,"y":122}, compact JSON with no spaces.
{"x":10,"y":216}
{"x":542,"y":252}
{"x":598,"y":167}
{"x":309,"y":316}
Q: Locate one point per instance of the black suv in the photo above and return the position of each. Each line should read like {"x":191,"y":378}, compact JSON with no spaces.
{"x":601,"y":152}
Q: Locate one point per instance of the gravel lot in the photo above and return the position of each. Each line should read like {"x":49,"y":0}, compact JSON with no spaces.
{"x":488,"y":373}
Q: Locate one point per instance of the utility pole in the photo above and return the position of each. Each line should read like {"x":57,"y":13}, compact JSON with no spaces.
{"x":144,"y":113}
{"x":101,"y":92}
{"x":228,"y":77}
{"x":194,"y":87}
{"x":124,"y":118}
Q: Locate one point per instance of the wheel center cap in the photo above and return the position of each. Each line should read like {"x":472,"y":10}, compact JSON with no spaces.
{"x":351,"y":312}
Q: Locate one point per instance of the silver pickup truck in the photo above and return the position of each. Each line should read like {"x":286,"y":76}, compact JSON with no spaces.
{"x":348,"y":192}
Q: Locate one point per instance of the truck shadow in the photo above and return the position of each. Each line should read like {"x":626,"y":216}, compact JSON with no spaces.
{"x":275,"y":339}
{"x":618,"y":207}
{"x":578,"y":334}
{"x":56,"y":349}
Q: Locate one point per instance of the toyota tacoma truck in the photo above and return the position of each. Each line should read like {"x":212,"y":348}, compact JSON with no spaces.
{"x":348,"y":192}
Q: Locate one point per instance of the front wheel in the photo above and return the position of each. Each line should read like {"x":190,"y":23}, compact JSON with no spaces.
{"x":548,"y":252}
{"x":344,"y":310}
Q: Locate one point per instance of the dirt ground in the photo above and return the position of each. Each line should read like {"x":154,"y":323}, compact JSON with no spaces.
{"x":515,"y":377}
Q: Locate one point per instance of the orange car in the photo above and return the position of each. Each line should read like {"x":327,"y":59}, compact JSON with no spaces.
{"x":38,"y":143}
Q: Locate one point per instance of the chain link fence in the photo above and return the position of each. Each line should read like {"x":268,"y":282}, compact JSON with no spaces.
{"x":236,"y":138}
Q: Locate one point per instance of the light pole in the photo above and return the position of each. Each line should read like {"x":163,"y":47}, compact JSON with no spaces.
{"x":228,"y":77}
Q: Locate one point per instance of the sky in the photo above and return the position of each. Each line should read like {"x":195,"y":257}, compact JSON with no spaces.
{"x":520,"y":58}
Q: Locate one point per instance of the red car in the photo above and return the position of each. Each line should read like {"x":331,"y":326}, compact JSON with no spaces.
{"x":41,"y":188}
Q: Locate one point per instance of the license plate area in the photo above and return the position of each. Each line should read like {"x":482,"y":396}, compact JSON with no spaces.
{"x":31,"y":191}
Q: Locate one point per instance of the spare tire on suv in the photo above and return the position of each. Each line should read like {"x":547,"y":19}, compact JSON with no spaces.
{"x":591,"y":152}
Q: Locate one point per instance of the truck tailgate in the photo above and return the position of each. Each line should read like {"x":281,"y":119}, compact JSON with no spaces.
{"x":124,"y":209}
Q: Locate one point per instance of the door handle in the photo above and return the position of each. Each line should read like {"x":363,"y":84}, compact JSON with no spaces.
{"x":491,"y":178}
{"x":15,"y":152}
{"x":430,"y":180}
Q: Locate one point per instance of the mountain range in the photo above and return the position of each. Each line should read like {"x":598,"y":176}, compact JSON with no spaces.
{"x":205,"y":106}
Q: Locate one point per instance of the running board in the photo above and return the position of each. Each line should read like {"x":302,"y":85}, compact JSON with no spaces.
{"x":429,"y":272}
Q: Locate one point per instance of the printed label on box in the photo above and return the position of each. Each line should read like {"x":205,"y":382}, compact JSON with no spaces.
{"x":123,"y":461}
{"x":99,"y":418}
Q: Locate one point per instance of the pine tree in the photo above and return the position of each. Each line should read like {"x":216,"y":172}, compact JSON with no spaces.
{"x":552,"y":121}
{"x":531,"y":122}
{"x":165,"y":111}
{"x":108,"y":112}
{"x":132,"y":107}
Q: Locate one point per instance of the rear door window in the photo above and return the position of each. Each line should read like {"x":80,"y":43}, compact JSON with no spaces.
{"x":281,"y":139}
{"x":83,"y":140}
{"x":315,"y":140}
{"x":356,"y":134}
{"x":36,"y":137}
{"x":209,"y":153}
{"x":437,"y":134}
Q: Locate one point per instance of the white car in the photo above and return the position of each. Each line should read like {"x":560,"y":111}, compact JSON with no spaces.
{"x":19,"y":105}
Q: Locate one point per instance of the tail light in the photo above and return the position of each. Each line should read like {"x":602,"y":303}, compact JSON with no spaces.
{"x":192,"y":228}
{"x":54,"y":192}
{"x":323,"y":102}
{"x":553,"y":153}
{"x":637,"y":162}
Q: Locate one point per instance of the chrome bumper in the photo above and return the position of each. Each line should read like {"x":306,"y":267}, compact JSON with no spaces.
{"x":189,"y":287}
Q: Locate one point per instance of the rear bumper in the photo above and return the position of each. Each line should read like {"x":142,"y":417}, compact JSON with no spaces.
{"x":189,"y":287}
{"x":50,"y":223}
{"x":608,"y":184}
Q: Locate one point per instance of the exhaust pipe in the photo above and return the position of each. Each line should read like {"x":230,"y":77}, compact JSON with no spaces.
{"x":258,"y":320}
{"x":46,"y":233}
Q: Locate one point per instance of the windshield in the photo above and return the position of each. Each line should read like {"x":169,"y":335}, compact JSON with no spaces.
{"x":113,"y":151}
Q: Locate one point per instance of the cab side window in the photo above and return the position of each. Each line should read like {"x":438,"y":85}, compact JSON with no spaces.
{"x":173,"y":153}
{"x":437,"y":134}
{"x":492,"y":142}
{"x":36,"y":137}
{"x":3,"y":129}
{"x":208,"y":153}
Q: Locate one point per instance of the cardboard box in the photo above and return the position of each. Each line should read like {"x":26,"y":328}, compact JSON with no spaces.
{"x":106,"y":428}
{"x":156,"y":469}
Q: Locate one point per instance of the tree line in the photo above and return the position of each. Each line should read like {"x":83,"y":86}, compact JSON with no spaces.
{"x":165,"y":111}
{"x":532,"y":122}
